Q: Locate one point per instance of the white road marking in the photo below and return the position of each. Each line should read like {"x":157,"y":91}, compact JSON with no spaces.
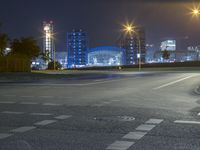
{"x":186,"y":122}
{"x":115,"y":100}
{"x":7,"y":102}
{"x":97,"y":105}
{"x":12,"y":112}
{"x":62,"y":117}
{"x":83,"y":84}
{"x":29,"y":103}
{"x":9,"y":95}
{"x":173,"y":82}
{"x":4,"y":135}
{"x":46,"y":96}
{"x":154,"y":121}
{"x":145,"y":127}
{"x":40,"y":114}
{"x":27,"y":96}
{"x":120,"y":145}
{"x":106,"y":102}
{"x":45,"y":122}
{"x":134,"y":135}
{"x":51,"y":104}
{"x":23,"y":129}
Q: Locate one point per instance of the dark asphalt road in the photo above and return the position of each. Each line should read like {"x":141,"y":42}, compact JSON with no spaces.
{"x":101,"y":110}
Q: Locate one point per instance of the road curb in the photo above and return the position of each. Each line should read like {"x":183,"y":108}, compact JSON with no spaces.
{"x":197,"y":90}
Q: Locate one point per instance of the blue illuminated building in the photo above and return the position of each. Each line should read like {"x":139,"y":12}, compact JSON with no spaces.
{"x":77,"y":45}
{"x":106,"y":56}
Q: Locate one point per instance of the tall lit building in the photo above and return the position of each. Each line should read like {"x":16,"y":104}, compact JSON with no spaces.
{"x":77,"y":46}
{"x":134,"y":43}
{"x":48,"y":41}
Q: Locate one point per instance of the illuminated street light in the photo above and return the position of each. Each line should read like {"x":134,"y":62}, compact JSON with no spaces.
{"x":195,"y":11}
{"x":129,"y":28}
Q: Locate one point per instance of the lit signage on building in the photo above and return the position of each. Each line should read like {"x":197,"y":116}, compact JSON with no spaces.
{"x":169,"y":45}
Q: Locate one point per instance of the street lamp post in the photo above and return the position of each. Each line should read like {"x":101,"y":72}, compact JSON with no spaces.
{"x":129,"y":29}
{"x":196,"y":12}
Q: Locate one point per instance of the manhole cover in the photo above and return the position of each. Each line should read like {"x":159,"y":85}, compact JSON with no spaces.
{"x":126,"y":118}
{"x":115,"y":118}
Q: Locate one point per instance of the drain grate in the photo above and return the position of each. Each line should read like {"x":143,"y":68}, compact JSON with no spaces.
{"x":126,"y":118}
{"x":115,"y":118}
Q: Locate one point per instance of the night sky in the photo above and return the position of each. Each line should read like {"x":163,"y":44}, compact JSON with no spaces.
{"x":102,"y":19}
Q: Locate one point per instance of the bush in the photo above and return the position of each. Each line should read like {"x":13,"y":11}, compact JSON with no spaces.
{"x":51,"y":65}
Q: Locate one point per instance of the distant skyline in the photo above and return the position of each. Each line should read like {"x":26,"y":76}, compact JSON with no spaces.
{"x":102,"y":19}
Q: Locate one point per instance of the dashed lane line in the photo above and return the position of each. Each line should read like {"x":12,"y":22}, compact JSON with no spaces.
{"x":45,"y":122}
{"x":9,"y":95}
{"x":45,"y":96}
{"x":29,"y":103}
{"x":186,"y":122}
{"x":62,"y":117}
{"x":154,"y":121}
{"x":145,"y":127}
{"x":7,"y":102}
{"x":51,"y":104}
{"x":23,"y":129}
{"x":120,"y":145}
{"x":27,"y":96}
{"x":41,"y":114}
{"x":135,"y":135}
{"x":140,"y":132}
{"x":12,"y":112}
{"x":4,"y":135}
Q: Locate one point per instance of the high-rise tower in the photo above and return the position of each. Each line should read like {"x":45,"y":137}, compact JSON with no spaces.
{"x":48,"y":41}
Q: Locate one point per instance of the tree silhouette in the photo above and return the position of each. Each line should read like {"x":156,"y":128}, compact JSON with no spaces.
{"x":25,"y":46}
{"x":3,"y":43}
{"x":51,"y":65}
{"x":165,"y":54}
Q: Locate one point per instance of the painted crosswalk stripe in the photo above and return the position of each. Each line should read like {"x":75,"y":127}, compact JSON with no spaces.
{"x":134,"y":135}
{"x":40,"y":114}
{"x":12,"y":112}
{"x":45,"y":122}
{"x":62,"y":117}
{"x":154,"y":121}
{"x":4,"y":135}
{"x":145,"y":127}
{"x":51,"y":104}
{"x":186,"y":122}
{"x":23,"y":129}
{"x":120,"y":145}
{"x":28,"y":103}
{"x":7,"y":102}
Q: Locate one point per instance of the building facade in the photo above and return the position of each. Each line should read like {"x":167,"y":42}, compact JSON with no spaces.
{"x":48,"y":41}
{"x":135,"y":46}
{"x":77,"y":46}
{"x":169,"y":45}
{"x":106,"y":56}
